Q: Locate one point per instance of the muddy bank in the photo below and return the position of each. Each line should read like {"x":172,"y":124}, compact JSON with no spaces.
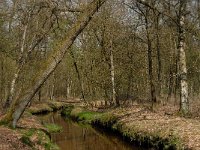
{"x":142,"y":127}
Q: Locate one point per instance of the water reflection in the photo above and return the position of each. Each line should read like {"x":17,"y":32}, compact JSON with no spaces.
{"x":78,"y":137}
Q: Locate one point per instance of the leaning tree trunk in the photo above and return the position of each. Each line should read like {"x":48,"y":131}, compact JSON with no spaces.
{"x":19,"y":104}
{"x":184,"y":104}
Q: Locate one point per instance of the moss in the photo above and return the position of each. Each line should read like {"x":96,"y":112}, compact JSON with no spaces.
{"x":53,"y":128}
{"x":88,"y":117}
{"x":80,"y":114}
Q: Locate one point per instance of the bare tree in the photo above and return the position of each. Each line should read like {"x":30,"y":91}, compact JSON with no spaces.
{"x":19,"y":104}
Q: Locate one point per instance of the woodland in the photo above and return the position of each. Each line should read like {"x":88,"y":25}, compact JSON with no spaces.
{"x":146,"y":51}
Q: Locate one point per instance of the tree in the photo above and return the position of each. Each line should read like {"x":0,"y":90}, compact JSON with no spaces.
{"x":19,"y":104}
{"x":184,"y":102}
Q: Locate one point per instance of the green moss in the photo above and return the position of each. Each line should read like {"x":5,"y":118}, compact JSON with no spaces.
{"x":88,"y":117}
{"x":80,"y":114}
{"x":53,"y":128}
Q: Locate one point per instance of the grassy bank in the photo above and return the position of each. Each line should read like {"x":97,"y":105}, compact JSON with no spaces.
{"x":139,"y":126}
{"x":37,"y":139}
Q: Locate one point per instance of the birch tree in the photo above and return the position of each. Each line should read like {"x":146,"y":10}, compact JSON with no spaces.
{"x":184,"y":103}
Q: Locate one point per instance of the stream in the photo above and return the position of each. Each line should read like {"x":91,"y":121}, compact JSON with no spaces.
{"x":76,"y":136}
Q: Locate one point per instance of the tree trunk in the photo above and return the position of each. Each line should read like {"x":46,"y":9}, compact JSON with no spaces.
{"x":19,"y":104}
{"x":158,"y":55}
{"x":2,"y":81}
{"x":39,"y":95}
{"x":78,"y":75}
{"x":52,"y":87}
{"x":18,"y":70}
{"x":68,"y":87}
{"x":112,"y":73}
{"x":150,"y":64}
{"x":184,"y":103}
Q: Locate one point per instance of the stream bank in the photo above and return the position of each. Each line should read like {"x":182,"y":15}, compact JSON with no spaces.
{"x":135,"y":124}
{"x":78,"y":136}
{"x":142,"y":127}
{"x":30,"y":133}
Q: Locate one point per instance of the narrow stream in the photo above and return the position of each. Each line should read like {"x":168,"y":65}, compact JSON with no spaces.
{"x":75,"y":136}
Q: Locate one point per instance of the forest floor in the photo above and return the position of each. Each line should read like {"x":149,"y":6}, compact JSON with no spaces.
{"x":15,"y":139}
{"x":183,"y":132}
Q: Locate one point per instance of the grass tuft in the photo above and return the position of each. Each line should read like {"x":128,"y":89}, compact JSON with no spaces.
{"x":53,"y":128}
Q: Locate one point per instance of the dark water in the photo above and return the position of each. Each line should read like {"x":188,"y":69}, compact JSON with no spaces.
{"x":79,"y":137}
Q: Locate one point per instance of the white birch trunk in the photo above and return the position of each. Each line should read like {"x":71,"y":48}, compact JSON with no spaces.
{"x":184,"y":105}
{"x":18,"y":69}
{"x":112,"y":72}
